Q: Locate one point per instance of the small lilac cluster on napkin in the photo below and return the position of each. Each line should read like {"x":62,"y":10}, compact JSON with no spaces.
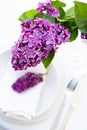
{"x":26,"y":81}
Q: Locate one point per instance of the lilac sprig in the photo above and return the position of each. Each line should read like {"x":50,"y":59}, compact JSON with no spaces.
{"x":38,"y":38}
{"x":26,"y":81}
{"x":47,"y":8}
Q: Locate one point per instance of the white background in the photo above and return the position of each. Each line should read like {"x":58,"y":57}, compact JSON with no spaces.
{"x":10,"y":10}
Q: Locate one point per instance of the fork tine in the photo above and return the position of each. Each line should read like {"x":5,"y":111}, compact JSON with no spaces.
{"x":72,"y":84}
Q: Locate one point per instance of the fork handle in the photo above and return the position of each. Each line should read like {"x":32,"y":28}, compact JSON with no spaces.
{"x":58,"y":117}
{"x":70,"y":111}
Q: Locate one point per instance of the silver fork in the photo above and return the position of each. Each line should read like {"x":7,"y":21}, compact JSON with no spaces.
{"x":69,"y":96}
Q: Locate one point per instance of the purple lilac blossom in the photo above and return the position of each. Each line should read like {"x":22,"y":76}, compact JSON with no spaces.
{"x":47,"y":8}
{"x":26,"y":81}
{"x":83,"y":35}
{"x":38,"y":37}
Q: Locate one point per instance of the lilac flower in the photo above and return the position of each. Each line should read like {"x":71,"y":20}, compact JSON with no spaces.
{"x":47,"y":8}
{"x":83,"y":35}
{"x":38,"y":37}
{"x":26,"y":81}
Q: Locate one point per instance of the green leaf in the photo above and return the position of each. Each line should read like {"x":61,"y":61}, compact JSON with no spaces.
{"x":66,"y":16}
{"x":74,"y":34}
{"x":41,"y":15}
{"x":48,"y":16}
{"x":45,"y":16}
{"x":81,"y":15}
{"x":58,"y":4}
{"x":70,"y":13}
{"x":61,"y":12}
{"x":71,"y":25}
{"x":28,"y":15}
{"x":61,"y":20}
{"x":46,"y":62}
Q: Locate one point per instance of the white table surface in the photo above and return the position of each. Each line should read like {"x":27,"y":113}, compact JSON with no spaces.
{"x":9,"y":31}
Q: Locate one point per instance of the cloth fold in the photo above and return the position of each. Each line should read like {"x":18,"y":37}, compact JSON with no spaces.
{"x":24,"y":104}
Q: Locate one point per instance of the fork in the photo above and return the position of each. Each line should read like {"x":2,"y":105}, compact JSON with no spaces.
{"x":69,"y":96}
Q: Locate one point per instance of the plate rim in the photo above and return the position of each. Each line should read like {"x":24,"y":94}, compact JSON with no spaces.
{"x":41,"y":116}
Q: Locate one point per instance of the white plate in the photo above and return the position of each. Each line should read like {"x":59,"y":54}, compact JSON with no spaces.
{"x":53,"y":91}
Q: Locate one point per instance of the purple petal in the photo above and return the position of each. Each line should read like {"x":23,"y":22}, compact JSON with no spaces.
{"x":26,"y":81}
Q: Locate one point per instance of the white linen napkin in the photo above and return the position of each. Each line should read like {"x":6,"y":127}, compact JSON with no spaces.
{"x":19,"y":105}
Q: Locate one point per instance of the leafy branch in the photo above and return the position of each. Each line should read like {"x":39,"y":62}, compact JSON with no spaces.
{"x":74,"y":18}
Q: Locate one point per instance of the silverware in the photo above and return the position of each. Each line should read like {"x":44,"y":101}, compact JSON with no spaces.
{"x":70,"y":92}
{"x":77,"y":97}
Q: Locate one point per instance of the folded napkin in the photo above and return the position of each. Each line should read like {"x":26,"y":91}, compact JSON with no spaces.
{"x":19,"y":106}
